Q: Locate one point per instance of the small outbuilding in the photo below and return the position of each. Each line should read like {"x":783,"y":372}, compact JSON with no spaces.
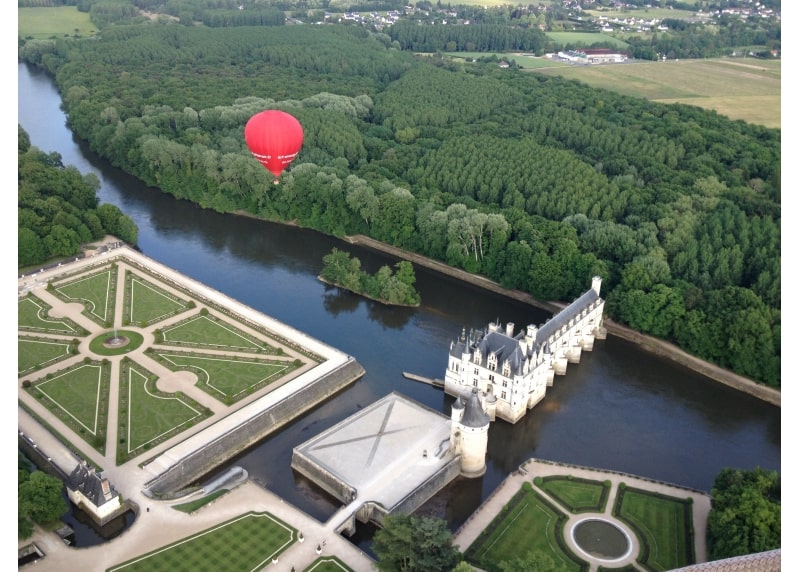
{"x":93,"y":493}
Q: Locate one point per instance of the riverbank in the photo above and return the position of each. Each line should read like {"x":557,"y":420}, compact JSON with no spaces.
{"x":648,"y":343}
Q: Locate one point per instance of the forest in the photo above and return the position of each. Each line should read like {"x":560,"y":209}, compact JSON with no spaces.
{"x":57,"y":208}
{"x":538,"y":183}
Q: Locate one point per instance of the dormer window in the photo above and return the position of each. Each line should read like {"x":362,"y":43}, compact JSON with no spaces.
{"x":506,"y":368}
{"x":492,"y":363}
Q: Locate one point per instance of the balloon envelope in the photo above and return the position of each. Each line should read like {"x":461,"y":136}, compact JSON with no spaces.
{"x":274,"y":138}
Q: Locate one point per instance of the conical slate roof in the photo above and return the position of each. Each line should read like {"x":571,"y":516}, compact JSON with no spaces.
{"x":474,"y":415}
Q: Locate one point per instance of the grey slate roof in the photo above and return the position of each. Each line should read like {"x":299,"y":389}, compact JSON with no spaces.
{"x":564,"y":316}
{"x":95,"y":488}
{"x":769,"y":561}
{"x":507,"y":348}
{"x":474,"y":415}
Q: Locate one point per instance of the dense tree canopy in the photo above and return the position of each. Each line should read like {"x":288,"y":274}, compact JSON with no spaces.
{"x":39,"y":497}
{"x":536,"y":182}
{"x":745,"y":515}
{"x":57,"y":208}
{"x":408,"y":543}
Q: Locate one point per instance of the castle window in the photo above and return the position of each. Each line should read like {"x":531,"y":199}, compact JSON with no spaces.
{"x":475,"y":382}
{"x":506,"y":368}
{"x":475,"y":371}
{"x":505,"y":383}
{"x":491,"y":378}
{"x":503,"y":395}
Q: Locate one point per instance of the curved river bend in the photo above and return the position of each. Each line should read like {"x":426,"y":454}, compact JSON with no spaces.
{"x":619,"y":409}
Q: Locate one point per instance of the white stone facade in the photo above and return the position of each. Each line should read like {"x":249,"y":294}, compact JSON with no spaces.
{"x":512,"y":372}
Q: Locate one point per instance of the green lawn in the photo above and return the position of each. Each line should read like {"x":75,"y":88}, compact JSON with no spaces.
{"x":32,"y":314}
{"x":327,"y":564}
{"x":146,"y":303}
{"x":527,"y":523}
{"x":576,"y":495}
{"x":207,"y":331}
{"x":79,"y":397}
{"x":95,"y":291}
{"x":246,"y":543}
{"x":53,"y":22}
{"x":662,"y":522}
{"x":228,"y":379}
{"x":35,"y":353}
{"x":148,"y":416}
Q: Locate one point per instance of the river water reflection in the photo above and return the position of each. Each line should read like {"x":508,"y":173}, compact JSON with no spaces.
{"x":619,"y":409}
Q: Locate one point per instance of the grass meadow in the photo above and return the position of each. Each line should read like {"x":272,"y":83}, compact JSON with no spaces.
{"x":206,"y":331}
{"x":147,"y":303}
{"x":585,"y":38}
{"x":248,"y":543}
{"x":739,"y":88}
{"x":53,"y":22}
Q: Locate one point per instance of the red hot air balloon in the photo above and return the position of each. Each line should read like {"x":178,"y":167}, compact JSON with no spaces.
{"x":274,"y":138}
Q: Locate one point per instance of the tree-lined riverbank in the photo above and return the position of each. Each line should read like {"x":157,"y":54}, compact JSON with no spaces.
{"x":648,"y":343}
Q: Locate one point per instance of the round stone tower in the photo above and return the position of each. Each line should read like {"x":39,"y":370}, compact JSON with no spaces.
{"x":469,"y":434}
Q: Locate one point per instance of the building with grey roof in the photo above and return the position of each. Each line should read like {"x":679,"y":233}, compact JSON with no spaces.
{"x":93,"y":493}
{"x":512,"y":371}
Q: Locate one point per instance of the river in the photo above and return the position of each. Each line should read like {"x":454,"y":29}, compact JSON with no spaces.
{"x":620,"y":408}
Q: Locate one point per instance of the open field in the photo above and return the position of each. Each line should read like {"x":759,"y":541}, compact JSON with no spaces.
{"x":524,"y":61}
{"x":586,"y":38}
{"x":644,"y":13}
{"x":747,"y":89}
{"x":43,"y":23}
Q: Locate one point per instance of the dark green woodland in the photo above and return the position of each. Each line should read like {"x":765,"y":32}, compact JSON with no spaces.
{"x":536,"y":182}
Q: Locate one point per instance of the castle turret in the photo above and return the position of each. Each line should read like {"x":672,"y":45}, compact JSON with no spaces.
{"x":596,"y":282}
{"x":470,"y":435}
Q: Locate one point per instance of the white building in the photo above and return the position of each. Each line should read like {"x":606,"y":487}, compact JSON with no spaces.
{"x":93,"y":493}
{"x":512,"y":372}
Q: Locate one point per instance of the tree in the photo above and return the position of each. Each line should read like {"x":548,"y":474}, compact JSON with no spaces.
{"x":39,"y":499}
{"x":408,"y":542}
{"x":745,"y":513}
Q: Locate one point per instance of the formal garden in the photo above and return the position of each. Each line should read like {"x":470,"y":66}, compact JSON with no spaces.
{"x":174,"y":357}
{"x":538,"y":516}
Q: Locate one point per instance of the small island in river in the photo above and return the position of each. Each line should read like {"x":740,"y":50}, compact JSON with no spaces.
{"x":385,"y":286}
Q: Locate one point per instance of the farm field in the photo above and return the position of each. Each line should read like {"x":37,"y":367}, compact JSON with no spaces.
{"x":43,"y":23}
{"x":585,"y":38}
{"x":746,"y":89}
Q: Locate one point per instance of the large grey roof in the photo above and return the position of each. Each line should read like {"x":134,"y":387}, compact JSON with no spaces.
{"x":564,"y":316}
{"x":84,"y":479}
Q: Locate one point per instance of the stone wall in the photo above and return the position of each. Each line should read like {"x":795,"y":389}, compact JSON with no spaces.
{"x":424,"y":492}
{"x":220,"y":448}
